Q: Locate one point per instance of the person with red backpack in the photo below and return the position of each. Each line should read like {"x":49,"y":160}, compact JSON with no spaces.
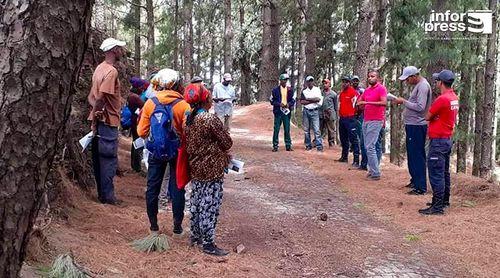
{"x":162,"y":122}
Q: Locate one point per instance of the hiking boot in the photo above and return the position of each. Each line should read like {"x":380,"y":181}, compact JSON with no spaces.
{"x":363,"y":168}
{"x":212,"y":249}
{"x":433,"y":210}
{"x":275,"y":149}
{"x":308,"y":148}
{"x":410,"y":185}
{"x":445,"y":204}
{"x":416,"y":192}
{"x":355,"y":165}
{"x":343,"y":160}
{"x":289,"y":149}
{"x":374,"y":178}
{"x":320,"y":150}
{"x":178,"y":228}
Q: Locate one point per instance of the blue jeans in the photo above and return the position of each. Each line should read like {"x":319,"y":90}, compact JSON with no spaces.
{"x":359,"y":132}
{"x":310,"y":119}
{"x":156,"y":170}
{"x":438,"y":164}
{"x":347,"y":133}
{"x":378,"y":145}
{"x":105,"y":161}
{"x":415,"y":150}
{"x":371,"y":134}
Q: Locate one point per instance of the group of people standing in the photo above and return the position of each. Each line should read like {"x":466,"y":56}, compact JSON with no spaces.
{"x":180,"y":135}
{"x":361,"y":122}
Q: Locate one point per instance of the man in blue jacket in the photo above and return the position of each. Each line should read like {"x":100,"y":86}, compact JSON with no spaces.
{"x":283,"y":102}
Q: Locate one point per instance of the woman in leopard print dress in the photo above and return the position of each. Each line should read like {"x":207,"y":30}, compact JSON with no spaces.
{"x":208,"y":144}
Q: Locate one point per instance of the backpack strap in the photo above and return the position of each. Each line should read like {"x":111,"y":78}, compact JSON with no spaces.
{"x":156,"y":101}
{"x":173,"y":103}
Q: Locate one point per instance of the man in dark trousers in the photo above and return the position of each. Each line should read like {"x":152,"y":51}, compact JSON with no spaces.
{"x":105,"y":99}
{"x":442,"y":118}
{"x":347,"y":123}
{"x":416,"y":107}
{"x":283,"y":103}
{"x":135,"y":104}
{"x":359,"y":125}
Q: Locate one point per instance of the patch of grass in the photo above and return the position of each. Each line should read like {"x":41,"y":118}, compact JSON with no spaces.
{"x":151,"y":243}
{"x":469,"y":203}
{"x":344,"y":190}
{"x":359,"y":205}
{"x":64,"y":267}
{"x":412,"y":237}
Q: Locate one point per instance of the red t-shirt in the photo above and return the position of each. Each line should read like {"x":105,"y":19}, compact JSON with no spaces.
{"x":346,"y":99}
{"x":444,"y":112}
{"x":373,"y":94}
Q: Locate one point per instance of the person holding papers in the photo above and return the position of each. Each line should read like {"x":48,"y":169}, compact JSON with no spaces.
{"x":416,"y":106}
{"x":135,"y":104}
{"x":283,"y":102}
{"x":207,"y":145}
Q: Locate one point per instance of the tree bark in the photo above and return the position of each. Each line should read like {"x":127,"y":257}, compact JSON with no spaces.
{"x":487,"y":163}
{"x":137,"y":36}
{"x":302,"y":7}
{"x":270,"y":48}
{"x":478,"y":125}
{"x":39,"y":67}
{"x":228,"y":37}
{"x":244,"y":61}
{"x":151,"y":34}
{"x":293,"y":57}
{"x":463,"y":122}
{"x":397,"y":146}
{"x":363,"y":40}
{"x":382,"y":31}
{"x":188,"y":39}
{"x":175,"y":36}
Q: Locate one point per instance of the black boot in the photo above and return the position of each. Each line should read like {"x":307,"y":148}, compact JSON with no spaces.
{"x":342,"y":159}
{"x":212,"y":249}
{"x":178,"y":228}
{"x":436,"y":208}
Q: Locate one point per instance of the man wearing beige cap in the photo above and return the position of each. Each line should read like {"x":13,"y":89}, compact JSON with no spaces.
{"x":223,"y":95}
{"x":105,"y":99}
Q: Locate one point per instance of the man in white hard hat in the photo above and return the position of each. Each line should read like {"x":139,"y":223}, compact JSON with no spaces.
{"x":223,"y":95}
{"x":105,"y":99}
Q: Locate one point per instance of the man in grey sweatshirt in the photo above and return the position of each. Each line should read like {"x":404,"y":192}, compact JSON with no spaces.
{"x":416,"y":106}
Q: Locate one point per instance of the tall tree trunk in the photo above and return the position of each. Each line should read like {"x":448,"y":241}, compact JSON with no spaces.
{"x":151,"y":34}
{"x":463,"y":122}
{"x":478,"y":125}
{"x":188,"y":39}
{"x":38,"y":78}
{"x":311,"y":38}
{"x":228,"y":37}
{"x":302,"y":7}
{"x":212,"y":55}
{"x":270,"y":48}
{"x":293,"y":57}
{"x":246,"y":70}
{"x":489,"y":104}
{"x":363,"y":40}
{"x":175,"y":37}
{"x":397,"y":126}
{"x":200,"y":23}
{"x":382,"y":30}
{"x":137,"y":36}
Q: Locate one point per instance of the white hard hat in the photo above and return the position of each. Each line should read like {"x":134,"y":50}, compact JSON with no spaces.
{"x":109,"y":43}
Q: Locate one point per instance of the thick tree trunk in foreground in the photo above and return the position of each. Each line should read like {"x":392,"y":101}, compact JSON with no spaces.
{"x":39,"y":65}
{"x":463,"y":123}
{"x":363,"y":40}
{"x":478,"y":125}
{"x":270,"y":49}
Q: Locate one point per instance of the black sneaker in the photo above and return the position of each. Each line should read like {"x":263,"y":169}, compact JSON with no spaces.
{"x":320,"y":150}
{"x":275,"y":149}
{"x":355,"y":164}
{"x":416,"y":192}
{"x":431,"y":211}
{"x":212,"y":249}
{"x":308,"y":148}
{"x":361,"y":168}
{"x":343,"y":160}
{"x":289,"y":149}
{"x":445,"y":205}
{"x":178,"y":228}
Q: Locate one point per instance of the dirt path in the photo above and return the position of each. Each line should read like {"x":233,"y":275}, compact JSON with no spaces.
{"x":273,"y":209}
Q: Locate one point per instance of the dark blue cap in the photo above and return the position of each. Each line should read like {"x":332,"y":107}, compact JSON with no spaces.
{"x":445,"y":75}
{"x":346,"y":77}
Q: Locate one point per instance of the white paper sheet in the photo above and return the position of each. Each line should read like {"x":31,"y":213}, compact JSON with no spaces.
{"x":139,"y":143}
{"x":391,"y":97}
{"x":86,"y":140}
{"x":236,"y":166}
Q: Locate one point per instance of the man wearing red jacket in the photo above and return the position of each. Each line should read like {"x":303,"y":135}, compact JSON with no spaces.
{"x":347,"y":123}
{"x":442,"y":118}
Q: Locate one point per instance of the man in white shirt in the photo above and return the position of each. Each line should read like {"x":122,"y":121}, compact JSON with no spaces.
{"x":311,"y":99}
{"x":223,"y":95}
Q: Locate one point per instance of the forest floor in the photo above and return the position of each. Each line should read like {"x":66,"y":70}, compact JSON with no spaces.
{"x":372,"y":228}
